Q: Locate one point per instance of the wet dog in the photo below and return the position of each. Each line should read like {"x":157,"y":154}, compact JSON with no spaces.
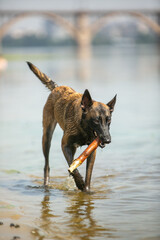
{"x":81,"y":118}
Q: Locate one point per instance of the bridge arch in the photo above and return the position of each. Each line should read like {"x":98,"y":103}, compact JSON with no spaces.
{"x":84,"y":32}
{"x":99,"y":24}
{"x":54,"y":17}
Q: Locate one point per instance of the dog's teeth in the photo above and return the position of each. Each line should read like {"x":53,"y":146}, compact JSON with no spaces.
{"x":95,"y":133}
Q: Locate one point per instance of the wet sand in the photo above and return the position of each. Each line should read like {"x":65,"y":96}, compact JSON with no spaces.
{"x":12,"y":224}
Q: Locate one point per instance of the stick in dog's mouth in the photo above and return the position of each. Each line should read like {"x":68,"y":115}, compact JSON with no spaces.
{"x":93,"y":146}
{"x":102,"y":145}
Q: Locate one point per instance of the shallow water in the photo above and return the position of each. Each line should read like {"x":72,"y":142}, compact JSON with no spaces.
{"x":125,"y":198}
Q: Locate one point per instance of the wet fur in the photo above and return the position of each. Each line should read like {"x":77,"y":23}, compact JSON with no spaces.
{"x":80,"y":118}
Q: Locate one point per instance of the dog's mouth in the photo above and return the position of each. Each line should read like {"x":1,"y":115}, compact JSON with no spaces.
{"x":102,"y":145}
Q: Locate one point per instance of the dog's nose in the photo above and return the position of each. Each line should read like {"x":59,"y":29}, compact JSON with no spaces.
{"x":107,"y":140}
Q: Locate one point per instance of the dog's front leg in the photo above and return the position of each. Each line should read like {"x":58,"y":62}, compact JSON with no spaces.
{"x":69,"y":152}
{"x":89,"y":168}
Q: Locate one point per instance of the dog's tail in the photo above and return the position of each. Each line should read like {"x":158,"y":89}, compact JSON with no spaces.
{"x":43,"y":77}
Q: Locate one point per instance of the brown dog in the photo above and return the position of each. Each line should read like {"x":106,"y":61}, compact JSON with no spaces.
{"x":82,"y":120}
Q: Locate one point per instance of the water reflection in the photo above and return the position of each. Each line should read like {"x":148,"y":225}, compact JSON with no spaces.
{"x":81,"y":218}
{"x":84,"y":67}
{"x":47,"y":225}
{"x":46,"y":213}
{"x":78,"y":221}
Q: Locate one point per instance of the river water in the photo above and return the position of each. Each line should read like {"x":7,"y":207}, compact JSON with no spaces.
{"x":125,"y":198}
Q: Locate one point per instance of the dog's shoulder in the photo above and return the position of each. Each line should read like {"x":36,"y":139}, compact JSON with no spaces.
{"x":63,"y":90}
{"x":65,"y":94}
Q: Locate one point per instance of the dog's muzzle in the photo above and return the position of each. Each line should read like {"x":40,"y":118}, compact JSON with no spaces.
{"x":104,"y":141}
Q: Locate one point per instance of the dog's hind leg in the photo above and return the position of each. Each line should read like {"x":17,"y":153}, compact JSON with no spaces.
{"x":46,"y":142}
{"x":89,"y":168}
{"x":49,"y":124}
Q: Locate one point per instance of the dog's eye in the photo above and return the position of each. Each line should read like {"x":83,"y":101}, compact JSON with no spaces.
{"x":108,"y":120}
{"x":96,"y":120}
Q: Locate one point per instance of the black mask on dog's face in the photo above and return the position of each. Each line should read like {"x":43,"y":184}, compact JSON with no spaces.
{"x":96,"y":117}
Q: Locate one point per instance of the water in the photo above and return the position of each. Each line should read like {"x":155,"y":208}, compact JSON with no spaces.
{"x":125,"y":198}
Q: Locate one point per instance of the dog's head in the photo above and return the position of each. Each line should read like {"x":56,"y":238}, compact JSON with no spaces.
{"x":96,"y":118}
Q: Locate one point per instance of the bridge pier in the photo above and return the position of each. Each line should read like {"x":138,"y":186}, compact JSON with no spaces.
{"x":83,"y":34}
{"x":158,"y":21}
{"x":83,"y":39}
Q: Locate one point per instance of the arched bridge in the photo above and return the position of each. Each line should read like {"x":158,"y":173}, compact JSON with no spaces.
{"x":82,"y":31}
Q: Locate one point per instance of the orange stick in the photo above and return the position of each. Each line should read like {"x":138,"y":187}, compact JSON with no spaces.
{"x":77,"y":162}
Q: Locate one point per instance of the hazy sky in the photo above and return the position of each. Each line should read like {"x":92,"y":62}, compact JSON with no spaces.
{"x":79,"y":4}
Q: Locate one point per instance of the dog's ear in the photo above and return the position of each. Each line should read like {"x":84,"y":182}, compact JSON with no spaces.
{"x":111,"y":104}
{"x":86,"y":101}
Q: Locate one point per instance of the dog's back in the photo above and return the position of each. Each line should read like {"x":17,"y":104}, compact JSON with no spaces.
{"x":62,"y":103}
{"x":65,"y":102}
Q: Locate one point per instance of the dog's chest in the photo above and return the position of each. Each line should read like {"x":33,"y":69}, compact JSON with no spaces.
{"x":79,"y":140}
